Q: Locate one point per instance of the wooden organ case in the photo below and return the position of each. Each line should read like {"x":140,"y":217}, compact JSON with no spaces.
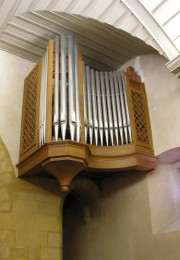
{"x":76,"y":118}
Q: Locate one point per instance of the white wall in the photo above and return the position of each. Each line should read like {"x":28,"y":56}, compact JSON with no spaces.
{"x":163,"y":93}
{"x":13,"y":70}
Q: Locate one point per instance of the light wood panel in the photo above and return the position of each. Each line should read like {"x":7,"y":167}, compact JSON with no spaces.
{"x":30,"y":112}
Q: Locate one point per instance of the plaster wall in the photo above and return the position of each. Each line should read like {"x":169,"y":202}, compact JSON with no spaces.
{"x":163,"y":94}
{"x":13,"y":70}
{"x":124,"y":229}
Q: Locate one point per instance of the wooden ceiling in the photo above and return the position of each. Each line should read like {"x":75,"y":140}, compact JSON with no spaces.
{"x":109,"y":32}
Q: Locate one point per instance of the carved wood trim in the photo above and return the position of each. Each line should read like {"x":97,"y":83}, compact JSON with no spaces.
{"x":105,"y":159}
{"x":30,"y":112}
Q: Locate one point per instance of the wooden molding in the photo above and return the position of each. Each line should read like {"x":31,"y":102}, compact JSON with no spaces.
{"x":65,"y":159}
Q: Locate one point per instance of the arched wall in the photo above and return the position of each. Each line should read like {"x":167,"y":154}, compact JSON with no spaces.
{"x":78,"y":219}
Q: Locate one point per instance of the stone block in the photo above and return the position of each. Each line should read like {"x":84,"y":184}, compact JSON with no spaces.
{"x":50,"y":253}
{"x":54,"y":239}
{"x":5,"y":166}
{"x":26,"y":237}
{"x":42,"y":238}
{"x":5,"y":206}
{"x":24,"y":206}
{"x":48,"y":223}
{"x":7,"y":237}
{"x":19,"y":253}
{"x":4,"y":194}
{"x":5,"y":179}
{"x":48,"y":208}
{"x":4,"y":220}
{"x":26,"y":195}
{"x":5,"y":252}
{"x":33,"y":253}
{"x":22,"y":220}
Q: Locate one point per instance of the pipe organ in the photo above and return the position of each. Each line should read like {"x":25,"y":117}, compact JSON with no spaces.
{"x":76,"y":118}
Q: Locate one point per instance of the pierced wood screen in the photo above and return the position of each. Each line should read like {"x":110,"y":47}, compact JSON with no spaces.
{"x":30,"y":112}
{"x":139,"y":114}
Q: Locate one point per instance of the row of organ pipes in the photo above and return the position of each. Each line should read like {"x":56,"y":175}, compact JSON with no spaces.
{"x":106,"y":115}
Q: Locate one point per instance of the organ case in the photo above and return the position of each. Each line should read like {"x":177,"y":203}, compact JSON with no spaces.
{"x":78,"y":118}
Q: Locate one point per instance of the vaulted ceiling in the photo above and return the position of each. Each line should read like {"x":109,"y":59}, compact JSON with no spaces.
{"x":109,"y":31}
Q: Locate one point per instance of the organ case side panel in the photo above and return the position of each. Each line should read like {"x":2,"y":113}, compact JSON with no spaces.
{"x":138,"y":108}
{"x":30,"y":112}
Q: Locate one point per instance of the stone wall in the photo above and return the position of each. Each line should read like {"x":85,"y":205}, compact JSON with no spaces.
{"x":30,"y":218}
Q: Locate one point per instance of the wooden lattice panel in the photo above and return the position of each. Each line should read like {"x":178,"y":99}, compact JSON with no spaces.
{"x":138,"y":109}
{"x":30,"y":114}
{"x":139,"y":117}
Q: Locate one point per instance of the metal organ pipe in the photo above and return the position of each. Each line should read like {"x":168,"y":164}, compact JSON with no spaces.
{"x":56,"y":90}
{"x":114,"y":111}
{"x":106,"y":114}
{"x":109,"y":108}
{"x":63,"y":87}
{"x":99,"y":107}
{"x":77,"y":100}
{"x":123,"y":110}
{"x":72,"y":113}
{"x":126,"y":106}
{"x":94,"y":107}
{"x":104,"y":107}
{"x":118,"y":104}
{"x":85,"y":103}
{"x":89,"y":101}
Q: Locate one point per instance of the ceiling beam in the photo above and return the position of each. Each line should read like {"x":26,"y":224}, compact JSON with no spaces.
{"x":153,"y":27}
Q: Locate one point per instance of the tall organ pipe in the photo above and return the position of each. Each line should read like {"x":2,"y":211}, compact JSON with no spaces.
{"x":99,"y":107}
{"x":72,"y":115}
{"x":85,"y":102}
{"x":94,"y":107}
{"x":89,"y":100}
{"x":126,"y":107}
{"x":118,"y":104}
{"x":114,"y":111}
{"x":56,"y":90}
{"x":123,"y":109}
{"x":63,"y":88}
{"x":109,"y":107}
{"x":104,"y":107}
{"x":77,"y":99}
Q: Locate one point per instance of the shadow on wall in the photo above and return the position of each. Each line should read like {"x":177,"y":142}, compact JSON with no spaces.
{"x":124,"y":180}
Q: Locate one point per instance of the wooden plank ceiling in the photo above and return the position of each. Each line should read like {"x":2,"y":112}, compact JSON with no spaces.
{"x":109,"y":32}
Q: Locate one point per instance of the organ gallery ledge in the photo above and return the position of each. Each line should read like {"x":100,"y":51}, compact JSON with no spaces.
{"x":76,"y":118}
